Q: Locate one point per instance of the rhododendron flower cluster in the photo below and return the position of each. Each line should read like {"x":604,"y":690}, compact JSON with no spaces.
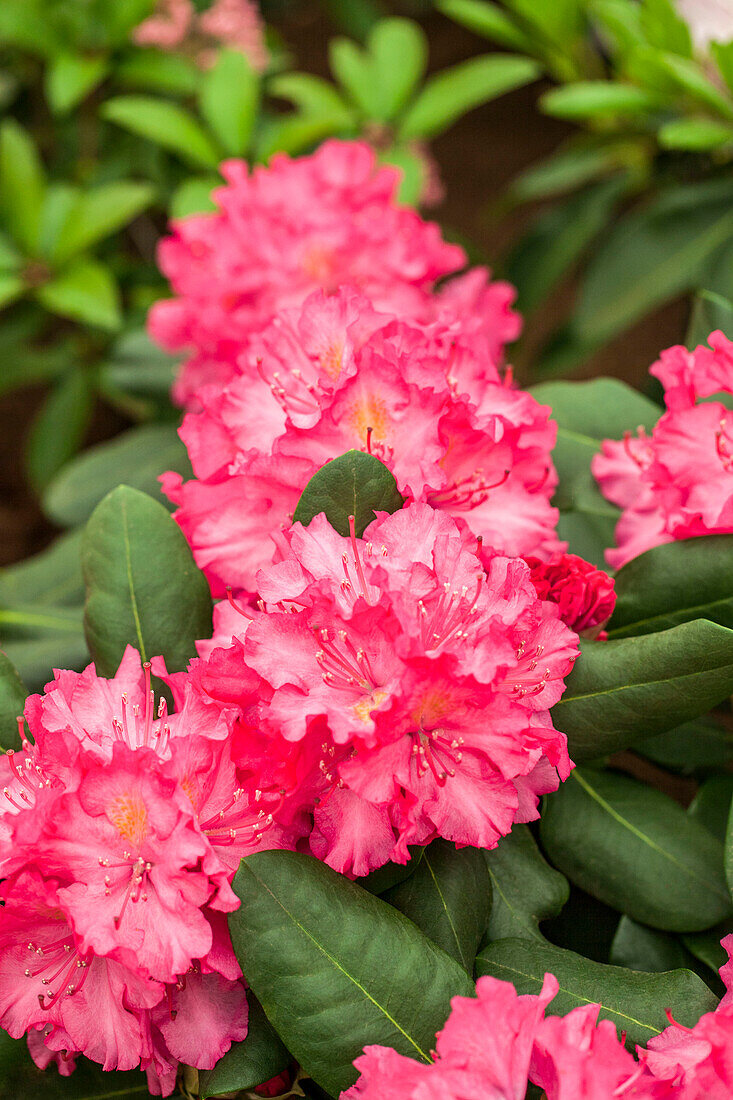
{"x":120,"y":828}
{"x":335,"y":375}
{"x":678,"y":481}
{"x":405,"y":687}
{"x":583,"y":593}
{"x":236,"y":24}
{"x":318,"y":222}
{"x":493,"y":1045}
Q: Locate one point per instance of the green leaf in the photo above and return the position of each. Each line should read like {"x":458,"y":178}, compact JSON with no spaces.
{"x":624,"y":691}
{"x":138,"y":457}
{"x":292,"y":134}
{"x":697,"y":135}
{"x":650,"y":256}
{"x":70,"y":78}
{"x":449,"y":899}
{"x":356,"y":484}
{"x":729,"y":851}
{"x":51,"y":577}
{"x":86,"y":292}
{"x":166,"y":124}
{"x":586,"y":413}
{"x":646,"y":949}
{"x":352,"y":68}
{"x":558,"y":238}
{"x":229,"y":100}
{"x":194,"y":196}
{"x":712,"y":803}
{"x":526,"y":890}
{"x":489,"y":20}
{"x":706,"y":946}
{"x":156,"y":71}
{"x":635,"y":1003}
{"x":590,"y":99}
{"x":12,"y":287}
{"x":452,"y":92}
{"x":399,"y":54}
{"x":59,"y":427}
{"x":388,"y":875}
{"x":412,"y":167}
{"x":247,"y":1064}
{"x":684,"y":76}
{"x":313,"y":96}
{"x":13,"y":694}
{"x":674,"y":583}
{"x":97,"y":213}
{"x":337,"y":968}
{"x":142,"y":586}
{"x":46,"y":648}
{"x":723,"y":54}
{"x":664,"y":28}
{"x":710,"y":311}
{"x":22,"y":185}
{"x":695,"y":747}
{"x":562,"y":171}
{"x":139,"y":375}
{"x":10,"y":259}
{"x":635,"y":849}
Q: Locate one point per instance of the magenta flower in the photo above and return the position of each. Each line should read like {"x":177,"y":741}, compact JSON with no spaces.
{"x":322,"y":221}
{"x":584,"y":595}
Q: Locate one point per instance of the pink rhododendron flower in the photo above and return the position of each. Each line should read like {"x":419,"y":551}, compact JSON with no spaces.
{"x":335,"y":375}
{"x":708,"y":20}
{"x":677,"y":482}
{"x":321,"y":221}
{"x":120,"y":828}
{"x":236,"y":24}
{"x":584,"y":595}
{"x":405,"y":690}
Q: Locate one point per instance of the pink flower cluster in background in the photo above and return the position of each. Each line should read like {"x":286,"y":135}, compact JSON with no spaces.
{"x":236,"y":24}
{"x":319,"y":222}
{"x":678,"y":481}
{"x":494,"y":1045}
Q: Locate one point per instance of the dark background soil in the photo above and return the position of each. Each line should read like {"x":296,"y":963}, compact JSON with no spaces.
{"x":477,"y":158}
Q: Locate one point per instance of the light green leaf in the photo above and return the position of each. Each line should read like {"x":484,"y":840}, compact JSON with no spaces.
{"x":695,"y":134}
{"x":13,"y":694}
{"x":138,"y":457}
{"x":452,"y":92}
{"x":449,"y":899}
{"x":313,"y":96}
{"x":166,"y":124}
{"x":12,"y":287}
{"x":624,"y":691}
{"x":84,"y":291}
{"x":142,"y":586}
{"x":664,"y":28}
{"x":563,"y":171}
{"x":336,"y":968}
{"x":194,"y":196}
{"x":97,"y":213}
{"x":352,"y":67}
{"x":635,"y":1003}
{"x":71,"y":77}
{"x":293,"y":134}
{"x":229,"y":100}
{"x":597,"y":99}
{"x":399,"y":54}
{"x":526,"y":890}
{"x":156,"y":71}
{"x":59,"y":428}
{"x":723,"y":54}
{"x":22,"y":185}
{"x":355,"y":484}
{"x":489,"y":20}
{"x":636,"y":850}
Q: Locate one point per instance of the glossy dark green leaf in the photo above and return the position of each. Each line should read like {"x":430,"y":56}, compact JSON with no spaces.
{"x":647,"y":949}
{"x":706,"y":946}
{"x":449,"y":899}
{"x":229,"y":100}
{"x":729,"y":851}
{"x":674,"y":583}
{"x":637,"y":850}
{"x":452,"y":92}
{"x":166,"y":124}
{"x":696,"y":747}
{"x":142,"y":586}
{"x":625,"y":691}
{"x":84,"y":291}
{"x":247,"y":1064}
{"x":391,"y":874}
{"x":138,"y":457}
{"x":59,"y":427}
{"x":712,"y":804}
{"x":356,"y":484}
{"x":650,"y":256}
{"x":635,"y":1003}
{"x":336,"y":968}
{"x":13,"y":694}
{"x":526,"y":890}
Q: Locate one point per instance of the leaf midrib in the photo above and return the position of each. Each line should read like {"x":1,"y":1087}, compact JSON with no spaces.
{"x":683,"y":867}
{"x":692,"y":609}
{"x":337,"y":964}
{"x":448,"y":917}
{"x":131,"y":581}
{"x":640,"y":684}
